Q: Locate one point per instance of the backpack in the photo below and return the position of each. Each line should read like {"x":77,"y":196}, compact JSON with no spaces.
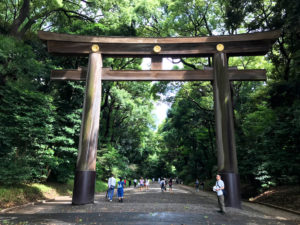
{"x":120,"y":184}
{"x":224,"y":193}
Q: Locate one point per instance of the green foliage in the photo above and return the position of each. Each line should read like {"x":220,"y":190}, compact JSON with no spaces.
{"x":188,"y":132}
{"x":25,"y":133}
{"x":101,"y":186}
{"x":26,"y":117}
{"x":68,"y":102}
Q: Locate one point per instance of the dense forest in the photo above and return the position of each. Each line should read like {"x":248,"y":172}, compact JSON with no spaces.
{"x":40,"y":119}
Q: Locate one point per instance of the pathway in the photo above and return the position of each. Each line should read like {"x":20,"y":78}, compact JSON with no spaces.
{"x":182,"y":206}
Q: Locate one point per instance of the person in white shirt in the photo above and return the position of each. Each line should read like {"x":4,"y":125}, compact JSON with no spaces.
{"x":111,"y":187}
{"x":134,"y":182}
{"x":147,"y":183}
{"x":219,"y":187}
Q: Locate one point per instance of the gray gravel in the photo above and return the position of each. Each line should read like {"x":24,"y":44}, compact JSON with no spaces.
{"x":182,"y":206}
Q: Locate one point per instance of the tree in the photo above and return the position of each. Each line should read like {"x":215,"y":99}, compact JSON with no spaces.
{"x":18,"y":17}
{"x":26,"y":116}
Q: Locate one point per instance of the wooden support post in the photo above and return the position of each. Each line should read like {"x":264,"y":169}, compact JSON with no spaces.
{"x":156,"y":63}
{"x":85,"y":176}
{"x":227,"y":160}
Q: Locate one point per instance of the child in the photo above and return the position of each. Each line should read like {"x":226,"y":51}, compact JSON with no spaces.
{"x":120,"y":190}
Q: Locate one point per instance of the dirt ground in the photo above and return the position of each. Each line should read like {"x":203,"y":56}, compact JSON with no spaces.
{"x":286,"y":196}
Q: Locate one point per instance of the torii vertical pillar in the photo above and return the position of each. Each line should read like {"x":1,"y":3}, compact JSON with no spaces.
{"x":85,"y":176}
{"x":226,"y":150}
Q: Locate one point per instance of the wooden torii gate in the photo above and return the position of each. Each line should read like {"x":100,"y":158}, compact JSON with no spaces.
{"x":218,"y":47}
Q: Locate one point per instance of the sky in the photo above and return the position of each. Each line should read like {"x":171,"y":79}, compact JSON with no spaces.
{"x":160,"y":108}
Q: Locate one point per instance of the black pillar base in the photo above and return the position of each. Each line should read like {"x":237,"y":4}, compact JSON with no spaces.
{"x":232,"y":187}
{"x":84,"y":187}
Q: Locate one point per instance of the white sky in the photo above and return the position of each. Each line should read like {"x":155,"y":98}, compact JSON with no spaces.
{"x":160,"y":108}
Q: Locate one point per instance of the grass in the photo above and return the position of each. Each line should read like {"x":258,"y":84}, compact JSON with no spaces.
{"x":18,"y":194}
{"x":101,"y":186}
{"x":23,"y":193}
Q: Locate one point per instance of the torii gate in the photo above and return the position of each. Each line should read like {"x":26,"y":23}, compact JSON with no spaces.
{"x":218,"y":47}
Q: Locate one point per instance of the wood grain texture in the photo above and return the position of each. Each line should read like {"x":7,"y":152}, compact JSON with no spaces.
{"x":270,"y":35}
{"x":168,"y":50}
{"x":235,"y":45}
{"x":159,"y":75}
{"x":87,"y":152}
{"x":225,"y":139}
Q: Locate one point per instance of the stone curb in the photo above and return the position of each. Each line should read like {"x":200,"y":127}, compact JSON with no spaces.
{"x":38,"y":202}
{"x":274,"y":206}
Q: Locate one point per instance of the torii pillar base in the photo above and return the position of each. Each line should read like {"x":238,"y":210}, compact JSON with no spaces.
{"x":233,"y":195}
{"x":84,"y":187}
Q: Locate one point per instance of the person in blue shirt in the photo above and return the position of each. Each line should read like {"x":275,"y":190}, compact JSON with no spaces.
{"x":120,"y":190}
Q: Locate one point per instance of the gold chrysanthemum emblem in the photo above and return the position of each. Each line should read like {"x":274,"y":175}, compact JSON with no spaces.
{"x":157,"y":49}
{"x":95,"y":48}
{"x":220,"y":47}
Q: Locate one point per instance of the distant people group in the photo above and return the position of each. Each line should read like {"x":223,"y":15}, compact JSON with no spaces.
{"x":141,"y":184}
{"x":164,"y":183}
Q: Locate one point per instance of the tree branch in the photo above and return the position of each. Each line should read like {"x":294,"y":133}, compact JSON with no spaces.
{"x":24,"y":13}
{"x":77,"y":15}
{"x":195,"y":102}
{"x":188,"y":64}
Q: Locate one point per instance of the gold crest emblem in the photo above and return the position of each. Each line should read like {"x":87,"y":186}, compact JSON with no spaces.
{"x":157,"y":49}
{"x":220,"y":47}
{"x":95,"y":48}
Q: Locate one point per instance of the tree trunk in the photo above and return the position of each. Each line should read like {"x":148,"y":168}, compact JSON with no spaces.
{"x":24,"y":13}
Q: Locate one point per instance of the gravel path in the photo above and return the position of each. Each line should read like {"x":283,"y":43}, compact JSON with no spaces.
{"x":182,"y":206}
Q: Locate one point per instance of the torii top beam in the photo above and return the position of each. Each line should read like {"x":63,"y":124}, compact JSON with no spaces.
{"x":234,"y":45}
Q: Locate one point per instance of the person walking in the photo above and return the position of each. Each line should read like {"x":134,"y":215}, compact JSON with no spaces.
{"x":197,"y":185}
{"x":147,"y":183}
{"x":121,"y":189}
{"x":129,"y":182}
{"x":134,"y":183}
{"x":218,"y":188}
{"x":162,"y":185}
{"x":141,"y":183}
{"x":111,"y":187}
{"x":202,"y":185}
{"x":170,"y":184}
